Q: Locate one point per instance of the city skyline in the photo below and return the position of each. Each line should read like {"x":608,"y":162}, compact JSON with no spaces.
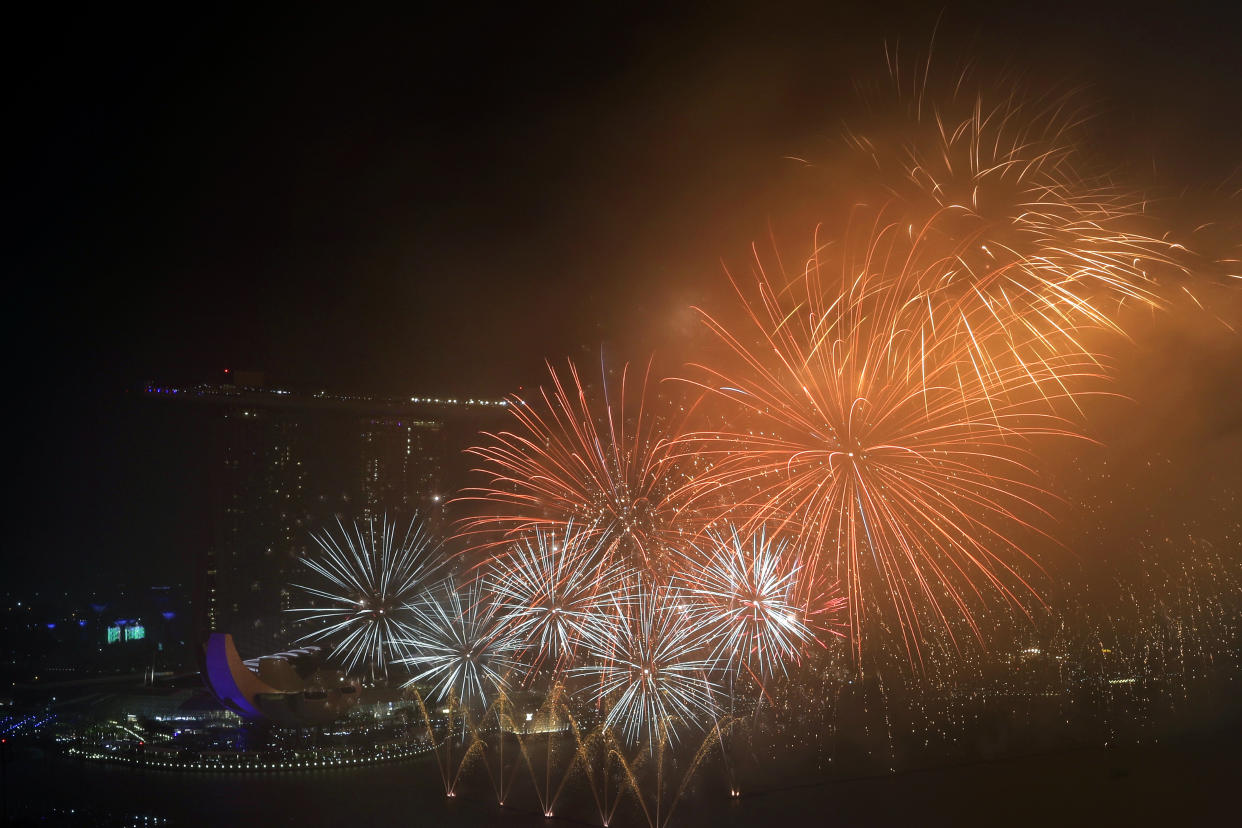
{"x":138,"y":259}
{"x":706,"y":415}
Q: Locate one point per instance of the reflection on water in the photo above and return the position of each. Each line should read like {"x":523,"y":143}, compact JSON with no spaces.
{"x":1184,"y":782}
{"x":406,"y":793}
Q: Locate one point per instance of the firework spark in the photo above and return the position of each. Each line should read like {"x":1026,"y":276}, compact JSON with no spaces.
{"x":598,"y":463}
{"x":898,"y":463}
{"x":650,"y":661}
{"x":551,"y":589}
{"x":1002,"y":184}
{"x":459,"y":642}
{"x":745,"y":592}
{"x":368,"y":576}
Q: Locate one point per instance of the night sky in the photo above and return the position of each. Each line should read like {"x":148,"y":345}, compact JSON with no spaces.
{"x":436,"y":204}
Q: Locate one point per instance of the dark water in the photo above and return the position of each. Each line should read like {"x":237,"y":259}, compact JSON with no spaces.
{"x":1187,"y":782}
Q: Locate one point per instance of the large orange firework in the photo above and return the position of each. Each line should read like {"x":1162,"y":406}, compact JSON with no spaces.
{"x":597,"y":458}
{"x":898,"y":462}
{"x":1029,"y":238}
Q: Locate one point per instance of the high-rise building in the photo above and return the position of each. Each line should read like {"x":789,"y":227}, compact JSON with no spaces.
{"x":402,"y":464}
{"x":260,"y":520}
{"x":283,"y":465}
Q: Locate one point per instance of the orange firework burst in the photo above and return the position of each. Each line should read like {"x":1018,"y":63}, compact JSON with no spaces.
{"x":1030,"y":242}
{"x":599,"y":462}
{"x":897,"y":461}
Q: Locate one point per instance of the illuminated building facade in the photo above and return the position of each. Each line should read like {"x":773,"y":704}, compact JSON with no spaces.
{"x":401,"y":466}
{"x":286,"y":464}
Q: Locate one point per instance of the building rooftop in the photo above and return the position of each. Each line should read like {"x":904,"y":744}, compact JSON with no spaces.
{"x":229,"y":394}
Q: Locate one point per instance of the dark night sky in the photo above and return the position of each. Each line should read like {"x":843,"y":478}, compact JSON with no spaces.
{"x":437,"y":203}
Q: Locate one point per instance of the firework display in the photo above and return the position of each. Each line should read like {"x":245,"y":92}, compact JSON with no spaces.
{"x":648,"y":416}
{"x":651,"y":659}
{"x":460,"y":643}
{"x":551,"y":589}
{"x":598,"y":460}
{"x":746,"y":595}
{"x":896,"y":461}
{"x":1019,"y":229}
{"x":841,"y":490}
{"x":367,"y":574}
{"x":650,"y":656}
{"x":862,"y":440}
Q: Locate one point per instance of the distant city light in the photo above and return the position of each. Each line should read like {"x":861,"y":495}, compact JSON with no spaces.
{"x":210,"y":390}
{"x":125,"y":631}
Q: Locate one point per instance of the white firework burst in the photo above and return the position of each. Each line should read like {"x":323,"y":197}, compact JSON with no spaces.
{"x":368,"y":575}
{"x":550,"y":591}
{"x":459,"y":642}
{"x":651,"y":660}
{"x":744,"y":590}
